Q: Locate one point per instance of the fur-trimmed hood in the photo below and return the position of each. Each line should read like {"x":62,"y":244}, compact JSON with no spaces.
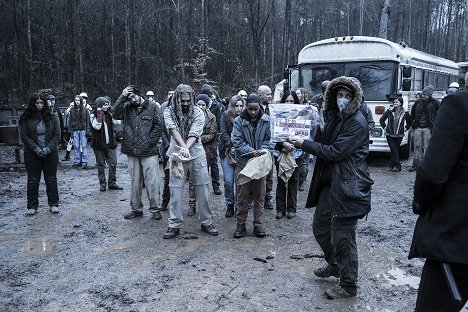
{"x":330,"y":95}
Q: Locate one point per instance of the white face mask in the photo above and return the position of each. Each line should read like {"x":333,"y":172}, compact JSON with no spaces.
{"x":342,"y":103}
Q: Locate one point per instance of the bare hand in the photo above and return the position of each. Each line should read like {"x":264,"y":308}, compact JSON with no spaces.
{"x":127,"y":91}
{"x":287,"y":147}
{"x":185,"y":152}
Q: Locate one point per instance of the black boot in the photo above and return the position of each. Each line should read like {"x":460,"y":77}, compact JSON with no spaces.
{"x":240,"y":231}
{"x":230,"y":210}
{"x":191,"y":211}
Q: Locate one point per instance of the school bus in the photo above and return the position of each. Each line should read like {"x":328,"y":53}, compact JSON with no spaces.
{"x":384,"y":69}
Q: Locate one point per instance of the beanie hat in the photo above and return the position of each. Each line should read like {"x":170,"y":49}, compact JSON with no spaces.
{"x":204,"y":98}
{"x":135,"y":90}
{"x":100,"y":101}
{"x":428,"y":90}
{"x":206,"y":89}
{"x":253,"y":98}
{"x":51,"y":97}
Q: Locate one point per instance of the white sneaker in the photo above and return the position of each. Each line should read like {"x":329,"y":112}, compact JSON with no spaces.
{"x":54,"y":209}
{"x":31,"y":212}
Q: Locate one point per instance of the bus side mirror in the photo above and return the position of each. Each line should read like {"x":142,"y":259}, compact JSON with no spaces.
{"x":406,"y":85}
{"x":407,"y":72}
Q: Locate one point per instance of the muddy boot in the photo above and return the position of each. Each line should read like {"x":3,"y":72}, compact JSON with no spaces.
{"x":259,"y":231}
{"x":327,"y":271}
{"x":339,"y":292}
{"x":240,"y":231}
{"x":230,"y":211}
{"x":67,"y":156}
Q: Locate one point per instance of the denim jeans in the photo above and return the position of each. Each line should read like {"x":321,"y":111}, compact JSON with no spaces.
{"x":228,"y":172}
{"x":79,"y":145}
{"x":35,"y":166}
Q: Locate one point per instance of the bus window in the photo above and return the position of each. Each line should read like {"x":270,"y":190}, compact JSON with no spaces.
{"x":377,"y":78}
{"x":418,"y":77}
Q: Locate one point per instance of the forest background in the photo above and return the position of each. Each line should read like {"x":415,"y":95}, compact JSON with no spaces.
{"x":66,"y":47}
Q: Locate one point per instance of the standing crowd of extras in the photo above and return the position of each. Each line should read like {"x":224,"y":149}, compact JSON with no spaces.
{"x":192,"y":133}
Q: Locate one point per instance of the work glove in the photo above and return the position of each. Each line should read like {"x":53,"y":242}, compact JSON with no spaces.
{"x":46,"y":151}
{"x":39,"y":152}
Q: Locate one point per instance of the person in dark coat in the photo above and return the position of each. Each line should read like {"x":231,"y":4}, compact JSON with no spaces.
{"x":40,"y":133}
{"x":341,"y":184}
{"x":395,"y":120}
{"x":142,"y":128}
{"x":441,"y":201}
{"x":104,"y":143}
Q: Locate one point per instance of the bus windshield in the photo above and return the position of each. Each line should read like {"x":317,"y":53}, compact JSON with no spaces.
{"x":377,"y":78}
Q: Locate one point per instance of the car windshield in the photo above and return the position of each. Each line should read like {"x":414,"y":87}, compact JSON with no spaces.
{"x":376,"y":78}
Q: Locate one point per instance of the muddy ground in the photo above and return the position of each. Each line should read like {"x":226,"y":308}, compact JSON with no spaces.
{"x":88,"y":258}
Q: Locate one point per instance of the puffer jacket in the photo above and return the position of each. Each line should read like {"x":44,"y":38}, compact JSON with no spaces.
{"x":244,"y":141}
{"x":343,"y":155}
{"x":28,"y":133}
{"x":440,"y":187}
{"x":142,"y":127}
{"x":209,"y":135}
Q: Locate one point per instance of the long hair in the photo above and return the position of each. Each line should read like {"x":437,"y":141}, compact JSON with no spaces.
{"x":31,"y":111}
{"x":182,"y":121}
{"x":290,"y":93}
{"x":78,"y":111}
{"x":231,"y":112}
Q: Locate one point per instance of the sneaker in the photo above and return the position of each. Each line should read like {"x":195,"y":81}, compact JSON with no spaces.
{"x":156,"y":216}
{"x":54,"y":209}
{"x":327,"y":271}
{"x":210,"y":229}
{"x":171,"y":233}
{"x":258,"y":231}
{"x":240,"y":231}
{"x":338,"y":292}
{"x":31,"y":212}
{"x":229,"y":211}
{"x":291,"y":215}
{"x":133,"y":214}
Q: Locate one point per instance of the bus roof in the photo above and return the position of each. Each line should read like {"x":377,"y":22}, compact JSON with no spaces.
{"x":362,"y":48}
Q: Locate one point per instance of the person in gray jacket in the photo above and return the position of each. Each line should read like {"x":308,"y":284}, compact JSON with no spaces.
{"x":142,"y":127}
{"x":341,"y":185}
{"x":184,"y":121}
{"x":250,"y":138}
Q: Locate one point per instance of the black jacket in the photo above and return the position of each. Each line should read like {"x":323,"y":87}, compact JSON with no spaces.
{"x":441,"y":185}
{"x":141,"y":127}
{"x":342,"y":149}
{"x":432,"y":108}
{"x":390,"y":128}
{"x":28,"y":133}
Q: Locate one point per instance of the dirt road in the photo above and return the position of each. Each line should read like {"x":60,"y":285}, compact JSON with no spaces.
{"x":88,"y":258}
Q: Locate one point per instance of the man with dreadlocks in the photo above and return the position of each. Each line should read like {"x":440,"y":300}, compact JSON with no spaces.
{"x":184,"y":121}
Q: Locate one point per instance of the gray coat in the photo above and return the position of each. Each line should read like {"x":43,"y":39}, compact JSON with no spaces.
{"x":243,"y":139}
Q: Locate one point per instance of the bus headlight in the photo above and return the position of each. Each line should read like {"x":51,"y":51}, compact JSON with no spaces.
{"x":376,"y":132}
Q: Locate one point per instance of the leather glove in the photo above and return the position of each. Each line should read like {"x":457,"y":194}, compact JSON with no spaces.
{"x":99,"y":115}
{"x":46,"y":151}
{"x":39,"y":152}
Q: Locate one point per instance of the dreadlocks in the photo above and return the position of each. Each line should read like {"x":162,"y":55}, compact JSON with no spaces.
{"x":182,"y":120}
